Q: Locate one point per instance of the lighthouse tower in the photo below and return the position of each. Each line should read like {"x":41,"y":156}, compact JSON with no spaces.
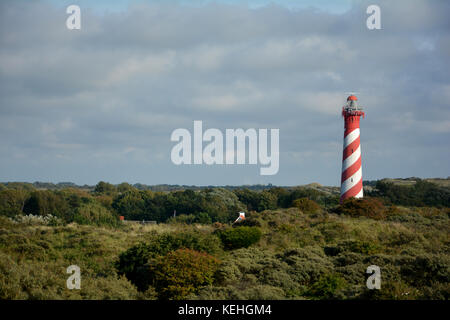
{"x":351,"y":179}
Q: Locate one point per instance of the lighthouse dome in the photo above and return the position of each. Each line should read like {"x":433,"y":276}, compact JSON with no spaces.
{"x":352,"y":98}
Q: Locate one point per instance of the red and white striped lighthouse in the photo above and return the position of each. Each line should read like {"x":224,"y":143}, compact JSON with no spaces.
{"x":351,"y":179}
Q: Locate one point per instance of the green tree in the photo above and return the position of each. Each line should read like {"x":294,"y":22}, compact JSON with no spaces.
{"x":95,"y":214}
{"x":182,"y":272}
{"x":45,"y":202}
{"x":130,"y":204}
{"x":124,"y":186}
{"x":240,"y":237}
{"x":12,"y":201}
{"x":105,"y":187}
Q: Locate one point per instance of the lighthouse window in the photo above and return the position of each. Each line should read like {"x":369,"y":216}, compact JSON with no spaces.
{"x":351,"y":179}
{"x":352,"y":150}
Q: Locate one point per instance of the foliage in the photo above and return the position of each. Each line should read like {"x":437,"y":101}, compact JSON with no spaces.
{"x":105,"y":187}
{"x":240,"y":237}
{"x":12,"y":201}
{"x":420,"y":194}
{"x":327,"y":286}
{"x":46,"y":202}
{"x":182,"y":272}
{"x":93,"y":213}
{"x":366,"y":207}
{"x":131,"y":205}
{"x":306,"y":205}
{"x":133,"y":262}
{"x":287,"y":197}
{"x":257,"y":201}
{"x":207,"y":205}
{"x":296,"y":255}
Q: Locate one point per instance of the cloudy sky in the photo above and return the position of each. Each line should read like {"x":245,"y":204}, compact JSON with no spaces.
{"x":100,"y":103}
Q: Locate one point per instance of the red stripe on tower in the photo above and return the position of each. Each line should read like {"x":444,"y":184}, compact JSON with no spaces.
{"x":351,"y":177}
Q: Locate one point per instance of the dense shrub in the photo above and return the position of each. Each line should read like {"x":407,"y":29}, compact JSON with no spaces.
{"x":307,"y":264}
{"x":366,"y":207}
{"x":240,"y":237}
{"x":327,"y":286}
{"x":358,"y":246}
{"x":182,"y":272}
{"x":133,"y":263}
{"x":306,"y":205}
{"x":96,"y":214}
{"x":426,"y":269}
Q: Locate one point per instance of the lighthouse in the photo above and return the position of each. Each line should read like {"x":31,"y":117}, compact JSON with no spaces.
{"x":351,"y":178}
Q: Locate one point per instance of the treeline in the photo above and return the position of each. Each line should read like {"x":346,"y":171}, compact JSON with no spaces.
{"x":106,"y":202}
{"x":420,"y":194}
{"x":139,"y":186}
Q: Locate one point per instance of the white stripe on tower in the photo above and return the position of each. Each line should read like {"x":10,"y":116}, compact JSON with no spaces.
{"x":351,"y":166}
{"x":351,"y":159}
{"x":351,"y":182}
{"x":350,"y":137}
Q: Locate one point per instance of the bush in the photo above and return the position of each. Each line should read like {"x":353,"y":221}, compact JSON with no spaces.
{"x":95,"y":214}
{"x":240,"y":237}
{"x":307,"y":265}
{"x":133,"y":263}
{"x":358,"y":246}
{"x":327,"y":286}
{"x":366,"y":207}
{"x":182,"y":272}
{"x":306,"y":205}
{"x":426,"y":270}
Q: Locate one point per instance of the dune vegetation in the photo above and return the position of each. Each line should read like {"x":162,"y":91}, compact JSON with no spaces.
{"x":295,"y":243}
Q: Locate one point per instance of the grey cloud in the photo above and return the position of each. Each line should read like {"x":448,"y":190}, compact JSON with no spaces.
{"x":101,"y":102}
